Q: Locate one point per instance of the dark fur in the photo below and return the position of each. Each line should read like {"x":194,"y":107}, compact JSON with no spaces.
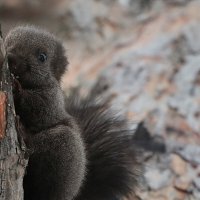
{"x":62,"y":133}
{"x":112,"y":169}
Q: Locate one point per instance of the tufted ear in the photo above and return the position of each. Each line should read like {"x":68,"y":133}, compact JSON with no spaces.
{"x":60,"y":62}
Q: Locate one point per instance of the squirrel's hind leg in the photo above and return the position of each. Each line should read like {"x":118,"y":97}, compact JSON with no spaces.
{"x":56,"y":168}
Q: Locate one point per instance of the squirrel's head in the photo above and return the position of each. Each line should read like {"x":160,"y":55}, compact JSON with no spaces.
{"x":34,"y":55}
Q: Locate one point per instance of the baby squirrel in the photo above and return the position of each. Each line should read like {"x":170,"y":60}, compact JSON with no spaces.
{"x":81,"y":150}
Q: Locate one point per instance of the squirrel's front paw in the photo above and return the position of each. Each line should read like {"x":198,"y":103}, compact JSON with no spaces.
{"x":23,"y":137}
{"x":17,"y":88}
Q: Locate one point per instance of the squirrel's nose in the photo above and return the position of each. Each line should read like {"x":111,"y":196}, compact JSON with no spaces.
{"x":12,"y":60}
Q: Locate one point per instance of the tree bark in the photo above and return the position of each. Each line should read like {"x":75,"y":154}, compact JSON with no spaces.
{"x":12,"y":161}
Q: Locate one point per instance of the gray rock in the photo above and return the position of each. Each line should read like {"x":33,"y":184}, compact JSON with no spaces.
{"x":196,"y":195}
{"x":191,"y":153}
{"x":191,"y":33}
{"x":186,"y":98}
{"x":158,"y":179}
{"x":197,"y":182}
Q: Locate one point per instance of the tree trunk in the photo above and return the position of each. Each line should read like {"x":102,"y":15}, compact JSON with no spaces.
{"x":12,"y":161}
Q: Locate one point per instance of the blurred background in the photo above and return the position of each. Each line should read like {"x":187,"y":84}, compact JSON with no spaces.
{"x":146,"y":54}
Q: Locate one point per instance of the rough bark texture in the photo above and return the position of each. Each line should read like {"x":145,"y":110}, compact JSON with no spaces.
{"x":12,"y":162}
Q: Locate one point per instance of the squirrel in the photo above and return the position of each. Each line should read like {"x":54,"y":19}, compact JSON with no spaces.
{"x":80,"y":149}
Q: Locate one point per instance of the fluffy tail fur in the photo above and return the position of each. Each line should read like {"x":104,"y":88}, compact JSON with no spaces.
{"x":112,"y":167}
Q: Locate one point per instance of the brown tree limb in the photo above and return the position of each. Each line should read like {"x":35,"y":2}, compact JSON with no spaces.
{"x":12,"y":162}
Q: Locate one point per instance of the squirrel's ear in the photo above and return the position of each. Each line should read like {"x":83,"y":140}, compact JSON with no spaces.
{"x":60,"y":62}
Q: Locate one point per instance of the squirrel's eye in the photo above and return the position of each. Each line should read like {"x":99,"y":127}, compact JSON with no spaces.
{"x":42,"y":57}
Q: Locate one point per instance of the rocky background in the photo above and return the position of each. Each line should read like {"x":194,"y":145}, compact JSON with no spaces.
{"x":146,"y":55}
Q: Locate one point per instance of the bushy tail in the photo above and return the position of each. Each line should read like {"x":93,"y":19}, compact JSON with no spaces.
{"x":112,"y":167}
